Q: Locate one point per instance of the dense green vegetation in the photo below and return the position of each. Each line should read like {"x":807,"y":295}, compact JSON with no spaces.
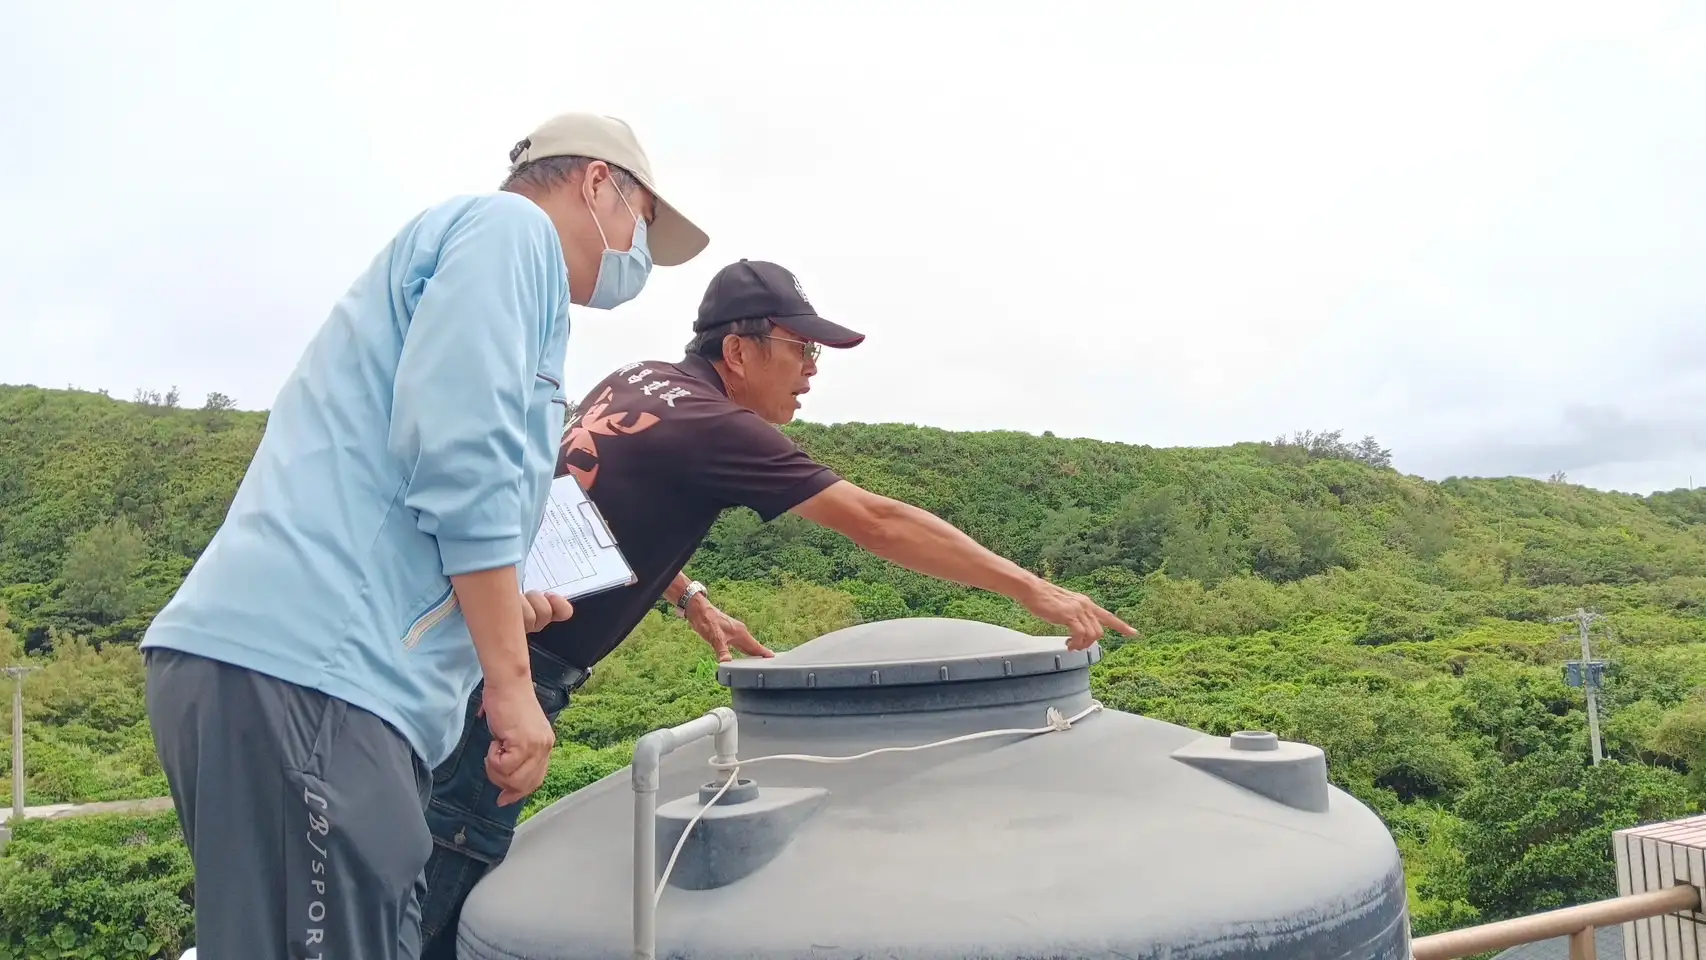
{"x":1300,"y":585}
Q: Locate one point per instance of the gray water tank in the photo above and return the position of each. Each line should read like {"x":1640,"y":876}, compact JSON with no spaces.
{"x":1123,"y":837}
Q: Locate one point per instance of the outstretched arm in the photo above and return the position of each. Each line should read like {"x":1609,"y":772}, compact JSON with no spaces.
{"x":921,"y":541}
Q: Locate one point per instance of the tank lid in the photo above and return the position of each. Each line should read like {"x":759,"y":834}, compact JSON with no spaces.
{"x":908,"y":651}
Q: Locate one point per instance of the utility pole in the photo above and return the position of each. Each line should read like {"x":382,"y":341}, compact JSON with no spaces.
{"x":1588,"y":672}
{"x":17,"y":675}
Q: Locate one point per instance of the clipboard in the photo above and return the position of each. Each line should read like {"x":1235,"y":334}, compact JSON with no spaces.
{"x":574,"y":554}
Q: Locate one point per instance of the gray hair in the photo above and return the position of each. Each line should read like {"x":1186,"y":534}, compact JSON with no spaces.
{"x":546,"y":173}
{"x":709,"y":344}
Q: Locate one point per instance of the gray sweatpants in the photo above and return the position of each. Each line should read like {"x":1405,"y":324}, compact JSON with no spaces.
{"x":304,"y":815}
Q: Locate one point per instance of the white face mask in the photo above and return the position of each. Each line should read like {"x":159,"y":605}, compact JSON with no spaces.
{"x":621,"y":273}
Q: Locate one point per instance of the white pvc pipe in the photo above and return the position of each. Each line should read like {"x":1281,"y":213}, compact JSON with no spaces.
{"x":648,"y":753}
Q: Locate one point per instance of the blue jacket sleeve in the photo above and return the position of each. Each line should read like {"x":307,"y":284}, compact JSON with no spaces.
{"x":465,"y":379}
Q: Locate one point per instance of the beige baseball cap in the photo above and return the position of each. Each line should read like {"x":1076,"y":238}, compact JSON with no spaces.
{"x":673,"y":238}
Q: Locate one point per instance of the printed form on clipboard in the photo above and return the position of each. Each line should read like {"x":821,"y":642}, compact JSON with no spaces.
{"x":574,"y":554}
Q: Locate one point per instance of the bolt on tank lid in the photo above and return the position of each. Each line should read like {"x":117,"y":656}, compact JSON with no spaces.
{"x":908,"y":651}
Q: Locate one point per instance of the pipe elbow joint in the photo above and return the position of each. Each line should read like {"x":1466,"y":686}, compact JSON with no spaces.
{"x":648,"y":753}
{"x":726,"y":740}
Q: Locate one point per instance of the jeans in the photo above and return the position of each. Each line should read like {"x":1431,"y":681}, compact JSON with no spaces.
{"x":470,"y":832}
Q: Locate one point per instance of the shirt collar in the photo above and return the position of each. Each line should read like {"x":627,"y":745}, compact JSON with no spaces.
{"x":703,"y":369}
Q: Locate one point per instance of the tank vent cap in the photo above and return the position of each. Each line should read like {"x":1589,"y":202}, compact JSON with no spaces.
{"x":1255,"y":740}
{"x":740,"y":791}
{"x":1294,"y":774}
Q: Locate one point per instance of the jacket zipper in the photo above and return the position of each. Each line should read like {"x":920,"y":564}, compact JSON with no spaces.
{"x":431,"y":618}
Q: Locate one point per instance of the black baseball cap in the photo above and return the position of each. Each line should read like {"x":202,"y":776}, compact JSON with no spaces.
{"x":757,"y":288}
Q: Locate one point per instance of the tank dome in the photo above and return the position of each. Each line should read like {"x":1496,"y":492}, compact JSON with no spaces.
{"x":1120,"y":837}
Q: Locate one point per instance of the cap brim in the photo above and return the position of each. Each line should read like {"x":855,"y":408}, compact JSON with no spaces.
{"x":818,"y":330}
{"x":673,"y":238}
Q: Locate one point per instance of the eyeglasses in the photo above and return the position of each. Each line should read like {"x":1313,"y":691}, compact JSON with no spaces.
{"x":811,"y":350}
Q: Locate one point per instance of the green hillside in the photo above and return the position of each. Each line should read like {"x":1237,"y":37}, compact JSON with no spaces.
{"x":1301,"y":586}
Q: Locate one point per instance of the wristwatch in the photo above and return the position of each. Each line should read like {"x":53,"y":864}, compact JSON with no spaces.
{"x":694,"y":588}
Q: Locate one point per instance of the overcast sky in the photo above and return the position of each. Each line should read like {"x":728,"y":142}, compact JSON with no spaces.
{"x":1474,"y":230}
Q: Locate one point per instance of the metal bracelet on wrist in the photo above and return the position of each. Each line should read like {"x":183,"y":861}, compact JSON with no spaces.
{"x":693,"y":589}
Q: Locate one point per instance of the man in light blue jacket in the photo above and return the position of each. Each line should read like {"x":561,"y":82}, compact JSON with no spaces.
{"x":312,"y":670}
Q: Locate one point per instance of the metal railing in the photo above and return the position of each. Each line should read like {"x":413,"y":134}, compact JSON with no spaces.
{"x":1578,"y":923}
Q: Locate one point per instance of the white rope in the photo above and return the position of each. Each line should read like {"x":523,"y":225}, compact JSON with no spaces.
{"x":1056,"y":721}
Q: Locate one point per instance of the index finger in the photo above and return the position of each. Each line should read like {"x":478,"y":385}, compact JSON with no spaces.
{"x":1116,"y":623}
{"x":750,"y":646}
{"x":743,"y":640}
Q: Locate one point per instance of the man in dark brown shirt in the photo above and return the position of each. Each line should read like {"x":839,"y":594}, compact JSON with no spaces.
{"x":663,"y":448}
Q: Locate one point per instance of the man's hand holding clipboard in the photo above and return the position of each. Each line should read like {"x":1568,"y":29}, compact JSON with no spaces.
{"x":539,"y":609}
